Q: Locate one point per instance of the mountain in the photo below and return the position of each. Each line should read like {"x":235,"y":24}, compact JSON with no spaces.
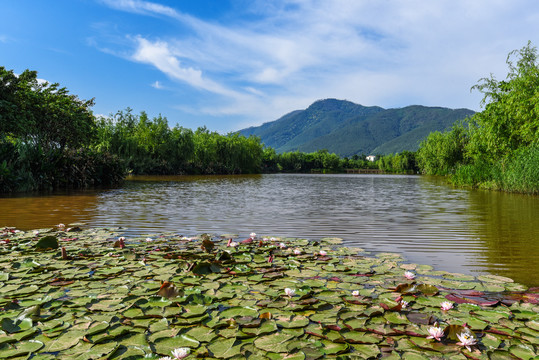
{"x":346,"y":128}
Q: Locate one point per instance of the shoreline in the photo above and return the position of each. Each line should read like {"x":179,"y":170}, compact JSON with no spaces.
{"x":115,"y":297}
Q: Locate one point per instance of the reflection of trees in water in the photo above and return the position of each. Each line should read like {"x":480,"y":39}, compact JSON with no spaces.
{"x":33,"y":212}
{"x":508,"y":225}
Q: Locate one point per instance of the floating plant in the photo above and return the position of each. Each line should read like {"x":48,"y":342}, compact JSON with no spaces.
{"x":92,"y":294}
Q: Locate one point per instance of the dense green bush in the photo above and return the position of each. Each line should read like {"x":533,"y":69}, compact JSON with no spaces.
{"x":498,"y":147}
{"x":441,"y":152}
{"x":403,"y":163}
{"x":28,"y":167}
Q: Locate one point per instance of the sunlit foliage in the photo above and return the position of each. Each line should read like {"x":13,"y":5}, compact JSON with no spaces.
{"x":498,"y":147}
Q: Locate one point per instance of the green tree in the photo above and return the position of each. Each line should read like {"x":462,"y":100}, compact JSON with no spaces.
{"x":440,"y":153}
{"x":510,"y":119}
{"x":43,"y":113}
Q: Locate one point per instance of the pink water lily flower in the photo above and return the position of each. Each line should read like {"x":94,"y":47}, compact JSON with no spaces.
{"x":404,"y":304}
{"x":282,"y":245}
{"x":253,"y":235}
{"x":409,"y":275}
{"x":436,"y":333}
{"x":149,"y":239}
{"x":355,"y":293}
{"x":446,"y":305}
{"x":323,"y":253}
{"x":297,"y":251}
{"x":290,"y":292}
{"x":466,"y":339}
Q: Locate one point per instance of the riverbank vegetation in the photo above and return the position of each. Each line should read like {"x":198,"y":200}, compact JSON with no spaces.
{"x":50,"y":139}
{"x":46,"y":136}
{"x":497,"y":148}
{"x":74,"y":293}
{"x":150,"y":146}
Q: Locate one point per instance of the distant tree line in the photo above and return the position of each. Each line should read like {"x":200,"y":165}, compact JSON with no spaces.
{"x":150,"y":146}
{"x":325,"y":162}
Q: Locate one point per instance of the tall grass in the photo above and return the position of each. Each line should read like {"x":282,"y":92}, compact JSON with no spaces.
{"x":518,"y":172}
{"x":522,"y":171}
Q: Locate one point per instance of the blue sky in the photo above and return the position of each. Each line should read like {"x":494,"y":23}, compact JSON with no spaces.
{"x":230,"y":64}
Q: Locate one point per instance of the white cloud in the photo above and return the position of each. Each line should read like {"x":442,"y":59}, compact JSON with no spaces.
{"x":388,"y":53}
{"x":160,"y":55}
{"x":157,"y":85}
{"x":142,"y":7}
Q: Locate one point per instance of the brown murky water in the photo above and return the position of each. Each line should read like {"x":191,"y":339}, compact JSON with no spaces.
{"x":465,"y":231}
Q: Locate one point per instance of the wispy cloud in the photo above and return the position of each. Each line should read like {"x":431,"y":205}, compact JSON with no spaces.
{"x":142,"y":7}
{"x":157,"y":85}
{"x":160,"y":55}
{"x":390,"y":53}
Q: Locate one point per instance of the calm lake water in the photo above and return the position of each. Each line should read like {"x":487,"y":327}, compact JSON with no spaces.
{"x":429,"y":222}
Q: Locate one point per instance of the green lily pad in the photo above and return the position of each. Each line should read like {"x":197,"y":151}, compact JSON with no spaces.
{"x":225,"y":349}
{"x":65,"y":341}
{"x":277,"y":342}
{"x":238,"y":311}
{"x":47,"y":242}
{"x":166,"y":345}
{"x":331,"y":348}
{"x":14,"y":326}
{"x":523,"y":351}
{"x":21,"y":348}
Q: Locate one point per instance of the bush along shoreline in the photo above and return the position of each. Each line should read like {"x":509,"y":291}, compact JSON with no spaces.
{"x":74,"y":293}
{"x":497,"y":148}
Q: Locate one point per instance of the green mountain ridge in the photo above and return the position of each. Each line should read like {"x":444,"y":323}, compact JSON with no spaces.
{"x":346,"y":128}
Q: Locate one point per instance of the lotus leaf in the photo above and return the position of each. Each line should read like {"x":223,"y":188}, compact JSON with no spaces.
{"x":166,"y":345}
{"x":47,"y":242}
{"x":21,"y":348}
{"x":201,"y":334}
{"x":225,"y":349}
{"x":65,"y":341}
{"x":276,"y":342}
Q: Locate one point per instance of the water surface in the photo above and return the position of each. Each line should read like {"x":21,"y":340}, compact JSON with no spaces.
{"x":429,"y":222}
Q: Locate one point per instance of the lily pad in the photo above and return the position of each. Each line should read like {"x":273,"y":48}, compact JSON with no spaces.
{"x":277,"y":342}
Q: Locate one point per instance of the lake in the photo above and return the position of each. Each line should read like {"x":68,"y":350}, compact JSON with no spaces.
{"x":424,"y":219}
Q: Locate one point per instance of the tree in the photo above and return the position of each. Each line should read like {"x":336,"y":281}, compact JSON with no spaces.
{"x":440,"y":153}
{"x":43,"y":113}
{"x":510,"y":119}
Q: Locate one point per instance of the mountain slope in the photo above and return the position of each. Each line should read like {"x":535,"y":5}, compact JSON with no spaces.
{"x":300,"y":126}
{"x":347,"y":129}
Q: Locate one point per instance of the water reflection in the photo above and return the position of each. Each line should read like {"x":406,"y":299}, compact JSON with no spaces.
{"x":508,"y":226}
{"x":422,"y":218}
{"x":46,"y":210}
